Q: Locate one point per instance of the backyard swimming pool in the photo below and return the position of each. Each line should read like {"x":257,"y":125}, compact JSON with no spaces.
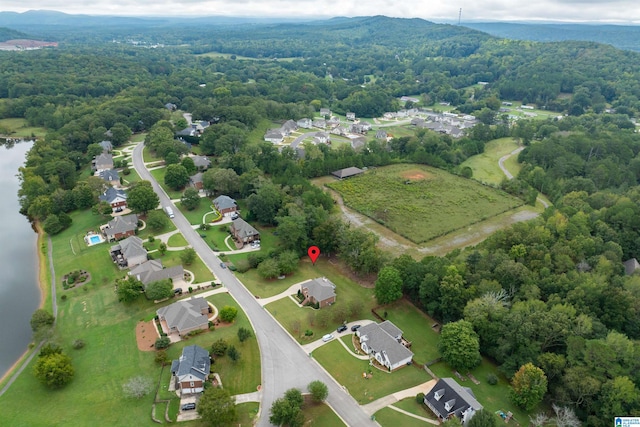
{"x":94,"y":239}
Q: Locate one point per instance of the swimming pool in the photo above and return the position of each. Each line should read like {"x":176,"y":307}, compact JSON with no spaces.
{"x":95,"y":239}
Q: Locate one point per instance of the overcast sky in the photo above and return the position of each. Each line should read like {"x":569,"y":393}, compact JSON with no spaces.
{"x":622,"y":11}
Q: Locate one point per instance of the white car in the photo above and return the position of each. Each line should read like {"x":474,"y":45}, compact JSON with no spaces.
{"x":327,"y":337}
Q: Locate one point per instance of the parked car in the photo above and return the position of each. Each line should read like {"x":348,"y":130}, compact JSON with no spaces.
{"x":355,"y":328}
{"x":234,"y":216}
{"x":327,"y":337}
{"x":341,"y":328}
{"x":169,"y":212}
{"x":223,"y":265}
{"x":188,"y":406}
{"x":177,"y":291}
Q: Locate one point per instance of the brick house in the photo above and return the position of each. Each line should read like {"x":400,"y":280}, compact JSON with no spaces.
{"x":321,"y":291}
{"x":191,"y":370}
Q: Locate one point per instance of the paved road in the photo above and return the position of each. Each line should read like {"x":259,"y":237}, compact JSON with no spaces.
{"x":299,"y":139}
{"x":284,"y":363}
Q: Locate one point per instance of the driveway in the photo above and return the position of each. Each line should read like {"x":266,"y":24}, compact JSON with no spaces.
{"x":284,"y":362}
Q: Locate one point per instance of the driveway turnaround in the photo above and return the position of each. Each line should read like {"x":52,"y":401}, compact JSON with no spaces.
{"x":284,"y":362}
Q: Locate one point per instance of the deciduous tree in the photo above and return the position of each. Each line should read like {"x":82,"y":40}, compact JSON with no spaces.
{"x":217,"y":407}
{"x":158,"y":290}
{"x":459,"y":345}
{"x":318,"y":390}
{"x":176,"y":176}
{"x":190,"y":199}
{"x":388,"y":287}
{"x":141,"y":198}
{"x":528,"y":386}
{"x":54,"y":370}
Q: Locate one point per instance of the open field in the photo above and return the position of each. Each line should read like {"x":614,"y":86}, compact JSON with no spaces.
{"x":18,"y":128}
{"x":347,"y":370}
{"x":247,"y":58}
{"x":485,"y":166}
{"x":421,"y":203}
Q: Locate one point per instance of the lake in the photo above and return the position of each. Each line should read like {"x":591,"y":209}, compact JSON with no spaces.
{"x":19,"y":291}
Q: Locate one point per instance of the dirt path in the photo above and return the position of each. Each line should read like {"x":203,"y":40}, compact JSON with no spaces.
{"x":510,"y":176}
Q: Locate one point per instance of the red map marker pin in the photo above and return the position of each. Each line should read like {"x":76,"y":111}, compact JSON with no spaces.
{"x":314,"y":253}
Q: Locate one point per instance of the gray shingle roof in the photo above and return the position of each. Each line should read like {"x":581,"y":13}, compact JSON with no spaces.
{"x":104,"y":161}
{"x":109,"y":175}
{"x":320,"y":289}
{"x":112,"y":194}
{"x":153,"y":271}
{"x":186,"y":314}
{"x":347,"y":172}
{"x":201,"y":161}
{"x":450,"y":392}
{"x":631,"y":266}
{"x":131,"y":247}
{"x":224,"y":202}
{"x":243,"y":229}
{"x":106,"y":146}
{"x":121,"y":224}
{"x":193,"y":361}
{"x":273,"y":134}
{"x":379,"y":340}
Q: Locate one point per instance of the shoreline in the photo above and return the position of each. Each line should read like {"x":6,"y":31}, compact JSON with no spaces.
{"x":42,"y":284}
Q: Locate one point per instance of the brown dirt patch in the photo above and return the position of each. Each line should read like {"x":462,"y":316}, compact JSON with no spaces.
{"x":416,"y":175}
{"x":146,"y":336}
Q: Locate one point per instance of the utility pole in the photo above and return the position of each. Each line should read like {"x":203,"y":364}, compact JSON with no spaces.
{"x":459,"y":16}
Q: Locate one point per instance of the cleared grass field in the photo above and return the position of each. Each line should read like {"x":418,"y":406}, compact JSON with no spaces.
{"x":421,"y":203}
{"x":19,"y":128}
{"x":485,"y":166}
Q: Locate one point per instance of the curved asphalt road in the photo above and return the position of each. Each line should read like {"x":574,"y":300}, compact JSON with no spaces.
{"x":284,"y":363}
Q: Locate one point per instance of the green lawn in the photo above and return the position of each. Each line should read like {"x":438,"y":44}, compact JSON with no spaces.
{"x":321,"y":416}
{"x":416,"y":327}
{"x":485,"y":166}
{"x":177,"y":240}
{"x":492,"y":397}
{"x":19,"y":128}
{"x":131,"y":178}
{"x":387,"y":417}
{"x":246,"y":414}
{"x":148,"y":156}
{"x":348,"y":370}
{"x":171,"y":258}
{"x":410,"y":405}
{"x":195,"y":216}
{"x":138,"y":137}
{"x":215,"y":237}
{"x":168,"y":226}
{"x":421,"y":203}
{"x":158,"y":174}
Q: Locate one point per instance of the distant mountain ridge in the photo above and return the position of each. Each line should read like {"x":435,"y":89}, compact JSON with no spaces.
{"x":621,"y":36}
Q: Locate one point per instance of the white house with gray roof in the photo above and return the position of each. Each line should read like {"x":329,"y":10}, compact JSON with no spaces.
{"x":191,"y":370}
{"x":384,"y":343}
{"x":184,"y":316}
{"x":448,"y":399}
{"x":319,"y":291}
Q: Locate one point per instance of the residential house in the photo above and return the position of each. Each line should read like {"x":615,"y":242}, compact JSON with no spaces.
{"x":324,"y":112}
{"x":381,"y":134}
{"x":116,"y":197}
{"x":357,"y":128}
{"x":351,"y":116}
{"x":201,"y":162}
{"x":184,"y":316}
{"x":384,"y":343}
{"x":448,"y":399}
{"x":347,"y":172}
{"x":389,"y":115}
{"x":305,"y":123}
{"x":107,"y":146}
{"x":407,"y":98}
{"x":243,"y":232}
{"x":225,"y":205}
{"x":129,"y":252}
{"x":188,"y":131}
{"x":153,"y":271}
{"x":191,"y":370}
{"x":322,"y":138}
{"x":171,"y":107}
{"x":288,"y":127}
{"x":274,"y":136}
{"x":339,"y":130}
{"x":417,"y":121}
{"x":103,"y":162}
{"x":196,"y":181}
{"x":333,"y":122}
{"x":320,"y":123}
{"x":319,"y":291}
{"x":121,"y":227}
{"x":358,"y":143}
{"x":401,"y":114}
{"x":631,"y":266}
{"x":110,"y":176}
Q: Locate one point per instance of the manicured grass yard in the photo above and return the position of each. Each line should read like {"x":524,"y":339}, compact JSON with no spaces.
{"x":420,"y":202}
{"x":171,"y":258}
{"x":321,"y":416}
{"x":215,"y":237}
{"x":387,"y":417}
{"x":158,"y":174}
{"x":195,"y":216}
{"x":18,"y":128}
{"x":410,"y":405}
{"x":485,"y":166}
{"x":492,"y":397}
{"x":416,"y":327}
{"x":177,"y":240}
{"x":246,"y":414}
{"x":347,"y":370}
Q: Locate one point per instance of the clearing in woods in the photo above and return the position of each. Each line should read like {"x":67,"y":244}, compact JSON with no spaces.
{"x":421,"y":203}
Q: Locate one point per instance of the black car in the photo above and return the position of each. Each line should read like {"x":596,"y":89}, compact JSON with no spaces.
{"x":355,"y":328}
{"x":341,"y":328}
{"x":177,"y":291}
{"x":188,"y":406}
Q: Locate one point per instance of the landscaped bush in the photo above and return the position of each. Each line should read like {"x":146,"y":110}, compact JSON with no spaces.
{"x":204,"y":227}
{"x":219,"y":347}
{"x":78,"y":344}
{"x":492,"y":379}
{"x":308,"y":333}
{"x":420,"y":398}
{"x":162,"y":343}
{"x":63,"y":297}
{"x":242,"y":266}
{"x":152,"y":239}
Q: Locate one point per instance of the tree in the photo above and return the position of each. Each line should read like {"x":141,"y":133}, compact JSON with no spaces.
{"x":137,"y":387}
{"x":319,"y":391}
{"x":244,"y":334}
{"x":190,"y":199}
{"x":189,"y":165}
{"x":528,"y":386}
{"x":158,"y":290}
{"x":287,"y":410}
{"x":483,"y":418}
{"x":52,"y":224}
{"x":128,"y":289}
{"x":233,"y":353}
{"x":54,"y":370}
{"x":228,"y":313}
{"x":269,"y":268}
{"x":217,"y":407}
{"x":162,"y":248}
{"x":171,"y":159}
{"x":459,"y":345}
{"x":120,"y":134}
{"x":219,"y":347}
{"x":162,"y":343}
{"x":287,"y":262}
{"x":161,"y":357}
{"x":157,"y":220}
{"x":388,"y":287}
{"x":176,"y":176}
{"x":565,"y":416}
{"x":141,"y":198}
{"x":221,"y":181}
{"x":187,"y":256}
{"x":41,"y":318}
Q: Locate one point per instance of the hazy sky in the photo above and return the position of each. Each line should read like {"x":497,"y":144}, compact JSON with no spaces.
{"x":625,"y":11}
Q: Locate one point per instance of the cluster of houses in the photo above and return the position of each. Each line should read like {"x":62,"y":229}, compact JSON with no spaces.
{"x":446,"y":123}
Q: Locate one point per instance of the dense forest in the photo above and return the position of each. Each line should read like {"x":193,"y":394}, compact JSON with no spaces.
{"x":551,"y":291}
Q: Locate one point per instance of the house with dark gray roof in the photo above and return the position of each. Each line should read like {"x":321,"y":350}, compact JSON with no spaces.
{"x":107,"y":146}
{"x":225,"y":205}
{"x":153,"y":271}
{"x":116,"y":197}
{"x":288,"y":127}
{"x":110,"y":176}
{"x":384,"y":343}
{"x":381,"y":134}
{"x":102,"y":162}
{"x":448,"y":399}
{"x":196,"y":181}
{"x":243,"y":232}
{"x":319,"y":291}
{"x":201,"y":162}
{"x":191,"y":370}
{"x":274,"y":136}
{"x":129,"y":252}
{"x":184,"y":316}
{"x":631,"y":266}
{"x":347,"y":172}
{"x":121,"y":227}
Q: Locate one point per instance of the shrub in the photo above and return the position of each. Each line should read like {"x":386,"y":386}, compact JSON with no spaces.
{"x":161,"y":357}
{"x":78,"y":344}
{"x":204,"y":227}
{"x":244,"y":334}
{"x":308,"y":333}
{"x":228,"y":313}
{"x":233,"y":354}
{"x":152,"y":239}
{"x":137,"y":387}
{"x":420,"y":398}
{"x":219,"y":347}
{"x":190,"y":289}
{"x":162,"y":343}
{"x":492,"y":379}
{"x":63,"y":297}
{"x":41,"y":318}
